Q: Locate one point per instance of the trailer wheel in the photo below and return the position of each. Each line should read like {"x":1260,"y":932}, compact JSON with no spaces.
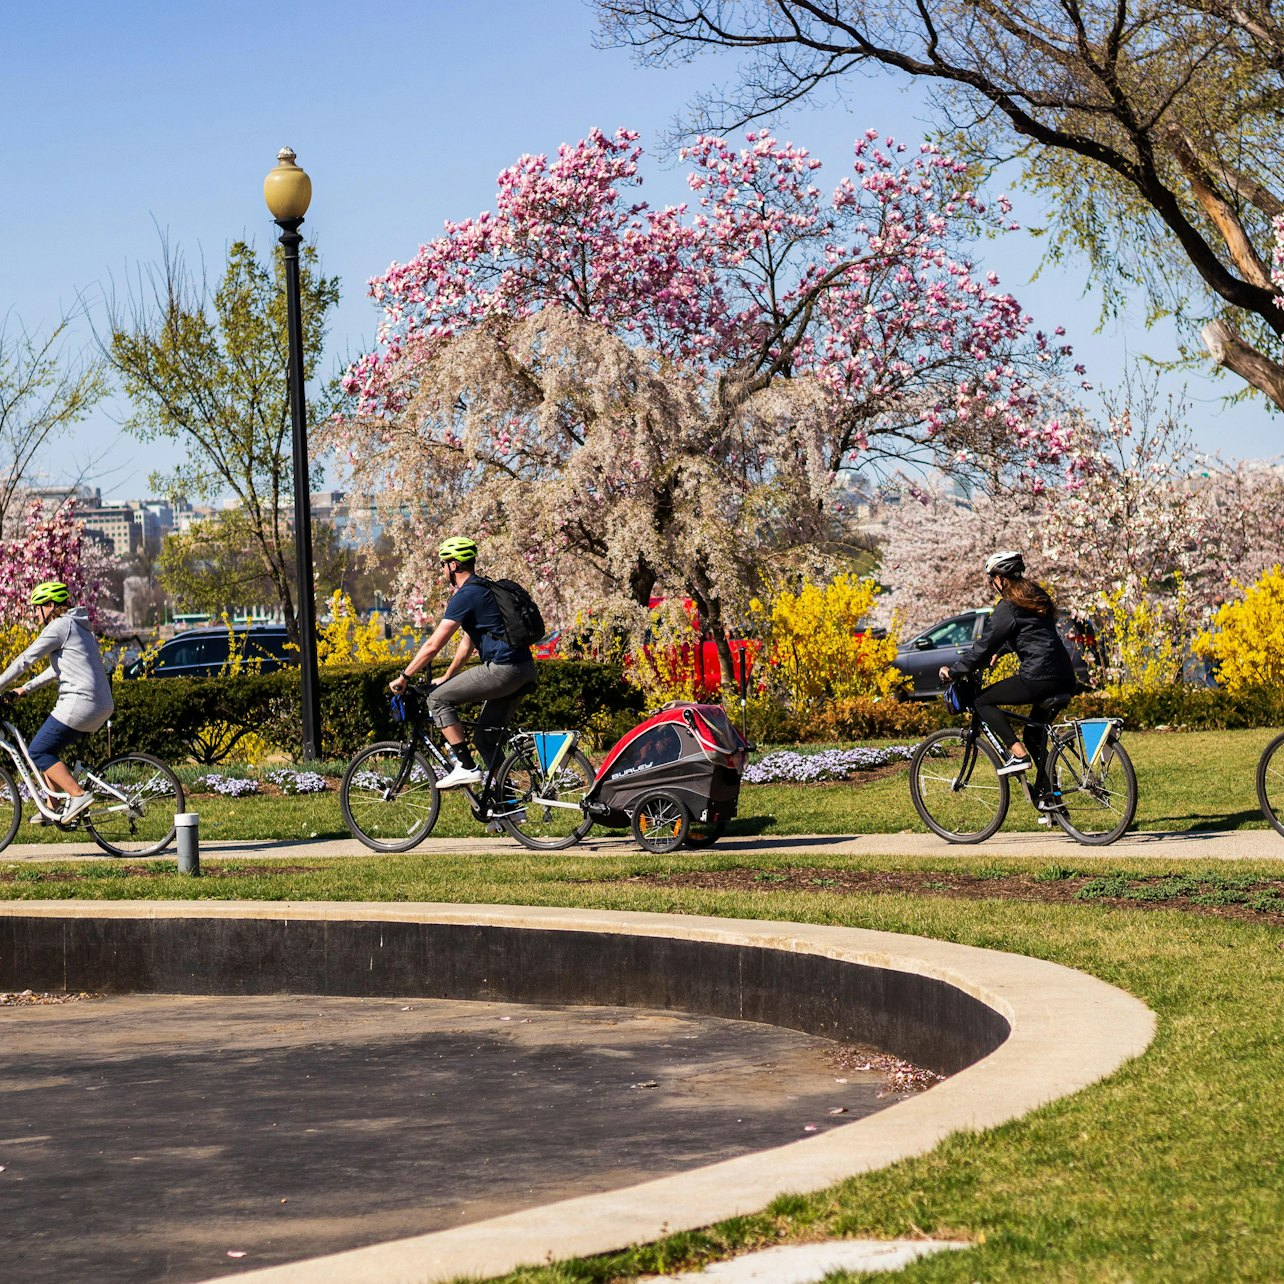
{"x":660,"y":822}
{"x":702,"y":833}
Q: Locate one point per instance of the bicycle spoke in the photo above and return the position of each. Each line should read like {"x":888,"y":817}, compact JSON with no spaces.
{"x":1270,"y":784}
{"x":135,"y":798}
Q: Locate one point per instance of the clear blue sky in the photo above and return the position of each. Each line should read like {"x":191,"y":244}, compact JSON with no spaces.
{"x":127,"y":118}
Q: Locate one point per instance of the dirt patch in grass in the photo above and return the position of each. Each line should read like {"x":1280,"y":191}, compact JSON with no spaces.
{"x":92,"y":872}
{"x":1226,"y":896}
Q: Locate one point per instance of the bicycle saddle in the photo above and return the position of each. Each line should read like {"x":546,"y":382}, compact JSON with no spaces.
{"x":1055,"y":704}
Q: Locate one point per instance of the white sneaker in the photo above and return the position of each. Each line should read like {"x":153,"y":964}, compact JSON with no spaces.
{"x":1015,"y":764}
{"x":460,"y":775}
{"x":75,"y":806}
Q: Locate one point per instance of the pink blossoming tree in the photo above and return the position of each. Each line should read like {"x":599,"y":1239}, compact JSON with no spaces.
{"x":1152,"y":527}
{"x":50,"y":546}
{"x":623,"y":401}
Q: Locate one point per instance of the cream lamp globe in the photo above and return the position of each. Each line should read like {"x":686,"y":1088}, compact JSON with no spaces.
{"x":287,"y":188}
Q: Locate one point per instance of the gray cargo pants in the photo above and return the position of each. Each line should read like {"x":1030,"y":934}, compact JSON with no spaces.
{"x":496,"y":687}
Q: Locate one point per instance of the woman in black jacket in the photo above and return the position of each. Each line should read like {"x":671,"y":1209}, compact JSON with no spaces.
{"x":1025,"y":621}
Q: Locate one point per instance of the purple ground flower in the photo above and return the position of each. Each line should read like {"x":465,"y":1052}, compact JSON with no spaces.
{"x":228,"y":786}
{"x":787,"y":766}
{"x":297,"y":782}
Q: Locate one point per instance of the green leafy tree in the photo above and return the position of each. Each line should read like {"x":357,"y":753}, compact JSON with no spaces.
{"x":1151,"y":128}
{"x":212,"y":566}
{"x":210,"y":372}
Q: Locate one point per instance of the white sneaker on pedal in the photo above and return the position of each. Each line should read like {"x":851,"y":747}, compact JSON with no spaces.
{"x":460,"y":775}
{"x":1015,"y":764}
{"x":75,"y":806}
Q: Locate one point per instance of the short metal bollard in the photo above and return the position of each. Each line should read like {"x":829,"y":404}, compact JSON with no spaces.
{"x":187,"y":824}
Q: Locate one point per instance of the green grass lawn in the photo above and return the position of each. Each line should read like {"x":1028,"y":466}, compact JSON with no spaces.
{"x":1186,"y":780}
{"x":1172,"y":1169}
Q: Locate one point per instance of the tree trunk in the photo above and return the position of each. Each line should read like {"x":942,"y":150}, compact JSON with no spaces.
{"x":709,"y":612}
{"x":642,"y":581}
{"x":1229,"y":350}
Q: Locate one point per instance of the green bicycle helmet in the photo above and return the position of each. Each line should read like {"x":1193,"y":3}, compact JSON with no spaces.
{"x":458,"y":548}
{"x":50,"y":593}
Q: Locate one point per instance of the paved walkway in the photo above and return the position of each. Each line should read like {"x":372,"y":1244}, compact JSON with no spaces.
{"x":1241,"y":844}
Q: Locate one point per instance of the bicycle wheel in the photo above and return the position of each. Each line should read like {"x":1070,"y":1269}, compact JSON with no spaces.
{"x":375,"y":816}
{"x":956,"y":788}
{"x":135,"y":798}
{"x":1098,"y":800}
{"x":1270,"y":784}
{"x":10,"y":806}
{"x":540,"y":816}
{"x":660,"y":823}
{"x":700,"y":833}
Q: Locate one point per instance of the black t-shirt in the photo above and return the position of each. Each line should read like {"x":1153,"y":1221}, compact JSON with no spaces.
{"x":474,"y":608}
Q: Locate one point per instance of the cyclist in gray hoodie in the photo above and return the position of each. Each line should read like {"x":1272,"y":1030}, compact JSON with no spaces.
{"x":84,"y":694}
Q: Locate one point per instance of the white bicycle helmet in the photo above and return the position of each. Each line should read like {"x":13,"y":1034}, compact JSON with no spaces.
{"x":1009,"y":563}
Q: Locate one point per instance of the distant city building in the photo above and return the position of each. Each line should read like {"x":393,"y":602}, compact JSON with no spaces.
{"x":187,"y":514}
{"x":115,"y":525}
{"x":57,"y":496}
{"x":131,"y":526}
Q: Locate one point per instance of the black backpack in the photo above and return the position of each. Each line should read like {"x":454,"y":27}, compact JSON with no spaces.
{"x":523,"y":624}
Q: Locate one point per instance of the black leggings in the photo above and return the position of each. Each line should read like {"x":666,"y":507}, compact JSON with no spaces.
{"x":1018,"y":690}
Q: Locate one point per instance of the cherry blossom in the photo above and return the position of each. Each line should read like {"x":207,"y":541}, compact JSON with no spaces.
{"x":51,"y":547}
{"x":720,"y":365}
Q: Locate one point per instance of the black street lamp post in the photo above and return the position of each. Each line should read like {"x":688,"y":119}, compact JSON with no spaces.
{"x":288,"y":190}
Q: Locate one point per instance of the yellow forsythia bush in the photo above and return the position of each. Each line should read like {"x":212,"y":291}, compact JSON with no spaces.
{"x":346,"y":640}
{"x":1246,"y":641}
{"x":819,"y":650}
{"x":14,"y":640}
{"x":1144,"y":640}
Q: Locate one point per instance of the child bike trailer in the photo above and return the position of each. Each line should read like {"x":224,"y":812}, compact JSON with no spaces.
{"x":673,"y":780}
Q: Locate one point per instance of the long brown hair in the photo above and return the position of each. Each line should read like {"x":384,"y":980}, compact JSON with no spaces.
{"x":1029,"y":594}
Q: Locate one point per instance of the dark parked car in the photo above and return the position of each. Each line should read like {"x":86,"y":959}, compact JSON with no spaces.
{"x":921,"y":657}
{"x":203,"y":653}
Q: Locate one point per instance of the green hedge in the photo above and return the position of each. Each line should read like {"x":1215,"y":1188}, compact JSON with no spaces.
{"x":172,"y":717}
{"x":1191,"y":708}
{"x":1187,"y":707}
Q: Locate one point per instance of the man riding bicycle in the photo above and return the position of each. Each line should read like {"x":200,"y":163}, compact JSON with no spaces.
{"x":84,"y":694}
{"x":1024,"y":621}
{"x":504,"y":672}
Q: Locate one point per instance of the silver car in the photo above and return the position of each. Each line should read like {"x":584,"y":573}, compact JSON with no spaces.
{"x":921,"y":657}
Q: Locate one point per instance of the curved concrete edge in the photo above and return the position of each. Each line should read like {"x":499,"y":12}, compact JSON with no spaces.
{"x":1068,"y":1030}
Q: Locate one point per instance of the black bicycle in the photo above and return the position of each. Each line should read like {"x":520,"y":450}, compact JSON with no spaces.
{"x":1091,"y":787}
{"x":1270,"y":783}
{"x":390,"y":800}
